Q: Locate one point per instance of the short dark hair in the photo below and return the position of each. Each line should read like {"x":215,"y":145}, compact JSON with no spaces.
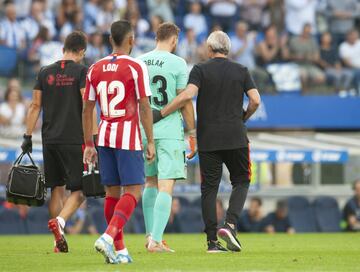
{"x":75,"y":42}
{"x":119,"y":30}
{"x":355,"y":183}
{"x":281,"y":204}
{"x":257,"y":199}
{"x":166,"y":31}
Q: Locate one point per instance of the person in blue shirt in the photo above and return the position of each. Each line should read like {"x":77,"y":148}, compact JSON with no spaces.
{"x":351,"y":213}
{"x":278,"y":221}
{"x":251,"y":220}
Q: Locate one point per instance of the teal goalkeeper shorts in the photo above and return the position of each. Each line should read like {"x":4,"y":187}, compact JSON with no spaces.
{"x":169,"y":161}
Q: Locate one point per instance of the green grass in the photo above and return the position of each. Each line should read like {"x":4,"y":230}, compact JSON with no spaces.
{"x":300,"y":252}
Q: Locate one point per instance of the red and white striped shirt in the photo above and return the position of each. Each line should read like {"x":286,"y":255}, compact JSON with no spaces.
{"x":117,"y":82}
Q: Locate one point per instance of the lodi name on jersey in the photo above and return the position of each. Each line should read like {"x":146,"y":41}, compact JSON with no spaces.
{"x":110,"y":67}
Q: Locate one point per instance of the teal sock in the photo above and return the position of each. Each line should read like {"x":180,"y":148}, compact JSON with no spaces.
{"x":162,"y":210}
{"x":148,"y":202}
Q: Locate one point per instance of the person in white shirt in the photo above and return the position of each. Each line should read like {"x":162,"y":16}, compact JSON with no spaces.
{"x":243,"y":46}
{"x":223,"y":12}
{"x":196,"y":20}
{"x":298,"y":13}
{"x":12,"y":113}
{"x":11,"y":32}
{"x":349,"y":52}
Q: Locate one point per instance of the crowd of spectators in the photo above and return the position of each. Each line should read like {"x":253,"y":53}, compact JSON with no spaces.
{"x":287,"y":44}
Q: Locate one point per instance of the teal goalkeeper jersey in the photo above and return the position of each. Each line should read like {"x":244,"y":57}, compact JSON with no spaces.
{"x":168,"y":73}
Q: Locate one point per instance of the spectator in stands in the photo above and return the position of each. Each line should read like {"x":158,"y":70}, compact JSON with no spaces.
{"x":161,"y":8}
{"x":349,"y":52}
{"x":298,"y":13}
{"x":96,"y":49}
{"x":188,"y":48}
{"x":91,"y":11}
{"x":252,"y":11}
{"x":32,"y":23}
{"x":50,"y":51}
{"x":12,"y":111}
{"x":330,"y":61}
{"x":304,"y":50}
{"x":223,"y":12}
{"x":352,"y":209}
{"x":74,"y":23}
{"x":66,"y":12}
{"x":271,"y":50}
{"x":196,"y":21}
{"x":220,"y":211}
{"x":39,"y":40}
{"x":251,"y":220}
{"x":342,"y":15}
{"x":81,"y":222}
{"x":278,"y":221}
{"x":173,"y":225}
{"x":243,"y":46}
{"x":11,"y":32}
{"x":274,"y":14}
{"x":106,"y":16}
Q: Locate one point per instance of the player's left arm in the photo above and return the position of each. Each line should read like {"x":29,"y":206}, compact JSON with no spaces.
{"x":253,"y":95}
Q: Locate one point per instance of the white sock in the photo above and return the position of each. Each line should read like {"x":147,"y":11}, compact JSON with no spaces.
{"x":123,"y":251}
{"x":61,"y":221}
{"x":108,"y":238}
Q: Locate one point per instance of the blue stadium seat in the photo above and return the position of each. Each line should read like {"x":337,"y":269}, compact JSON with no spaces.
{"x":11,"y":222}
{"x":97,"y":215}
{"x":8,"y":61}
{"x":37,"y":220}
{"x":328,"y":215}
{"x":196,"y":203}
{"x":301,"y":214}
{"x":191,"y":220}
{"x":136,"y":223}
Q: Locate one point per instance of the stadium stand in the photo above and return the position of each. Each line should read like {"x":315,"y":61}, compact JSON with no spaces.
{"x":191,"y":220}
{"x":301,"y":214}
{"x":11,"y":222}
{"x":327,"y":214}
{"x":36,"y":220}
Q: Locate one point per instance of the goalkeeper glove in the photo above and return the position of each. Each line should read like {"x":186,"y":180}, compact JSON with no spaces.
{"x":193,"y":144}
{"x":156,"y":116}
{"x":27,"y":144}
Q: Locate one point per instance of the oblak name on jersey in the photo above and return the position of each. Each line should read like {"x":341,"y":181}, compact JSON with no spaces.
{"x":117,"y":82}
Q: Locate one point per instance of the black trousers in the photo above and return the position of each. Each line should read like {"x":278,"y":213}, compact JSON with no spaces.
{"x":211,"y":162}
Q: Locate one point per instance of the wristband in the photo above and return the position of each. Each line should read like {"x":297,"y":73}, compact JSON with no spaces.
{"x":192,"y":132}
{"x":89,"y":143}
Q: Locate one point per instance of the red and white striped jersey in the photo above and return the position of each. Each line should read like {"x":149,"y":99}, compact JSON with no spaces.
{"x":117,"y":82}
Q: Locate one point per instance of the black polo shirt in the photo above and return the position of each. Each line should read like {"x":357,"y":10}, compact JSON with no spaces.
{"x":60,"y":84}
{"x":222,"y":84}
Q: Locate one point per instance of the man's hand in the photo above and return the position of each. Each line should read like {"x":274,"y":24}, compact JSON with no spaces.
{"x":27,"y":144}
{"x":193,"y":145}
{"x":156,"y":115}
{"x":150,"y":152}
{"x":90,"y":155}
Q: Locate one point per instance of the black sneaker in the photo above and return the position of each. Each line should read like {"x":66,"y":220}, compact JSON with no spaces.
{"x":215,"y":247}
{"x":228,"y":234}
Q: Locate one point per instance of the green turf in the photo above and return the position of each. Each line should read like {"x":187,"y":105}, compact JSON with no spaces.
{"x":300,"y":252}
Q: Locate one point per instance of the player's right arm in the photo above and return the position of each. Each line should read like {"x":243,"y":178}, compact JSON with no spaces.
{"x":89,"y":100}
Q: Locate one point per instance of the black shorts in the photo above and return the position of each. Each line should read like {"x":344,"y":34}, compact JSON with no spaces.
{"x":236,"y":160}
{"x":63,"y":165}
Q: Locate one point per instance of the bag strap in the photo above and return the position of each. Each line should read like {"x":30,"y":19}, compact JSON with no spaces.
{"x":18,"y":160}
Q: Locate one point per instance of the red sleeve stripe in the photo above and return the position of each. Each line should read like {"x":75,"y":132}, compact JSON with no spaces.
{"x":135,"y":77}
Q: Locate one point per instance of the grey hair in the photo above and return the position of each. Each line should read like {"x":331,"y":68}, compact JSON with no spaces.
{"x":219,"y":42}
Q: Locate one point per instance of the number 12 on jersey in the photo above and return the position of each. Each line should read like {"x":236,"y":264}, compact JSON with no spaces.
{"x":108,"y":108}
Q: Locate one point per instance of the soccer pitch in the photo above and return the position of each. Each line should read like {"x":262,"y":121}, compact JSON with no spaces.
{"x":280,"y":252}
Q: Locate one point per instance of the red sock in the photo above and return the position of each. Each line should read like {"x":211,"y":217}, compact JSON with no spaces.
{"x":109,"y":206}
{"x":123,"y":210}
